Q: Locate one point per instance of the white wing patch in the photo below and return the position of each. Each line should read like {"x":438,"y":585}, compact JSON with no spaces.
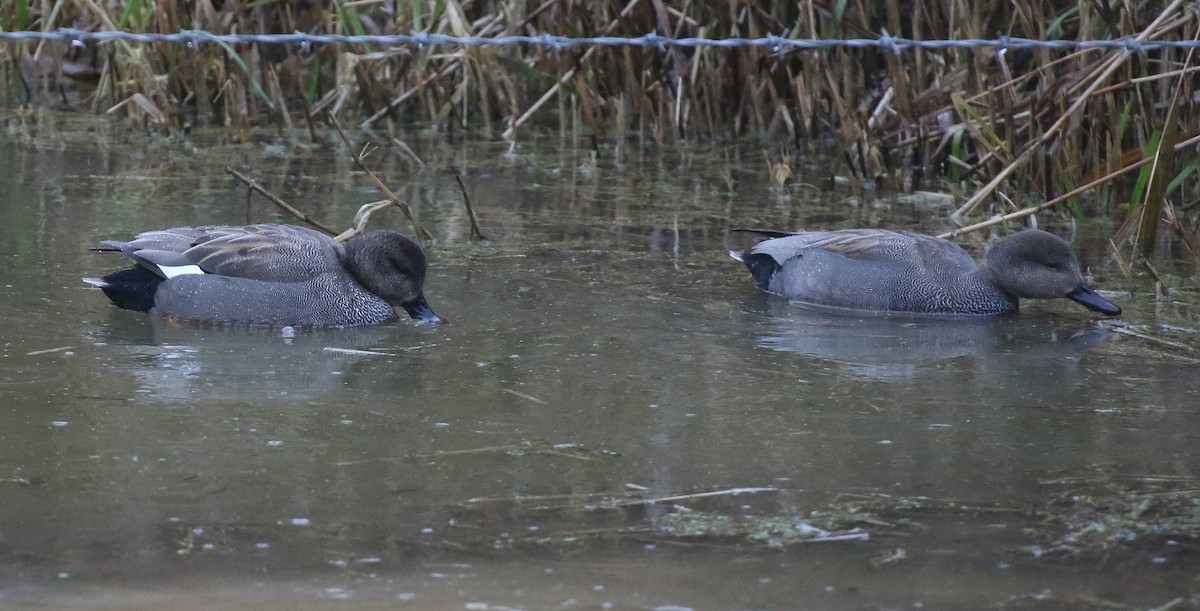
{"x":170,"y":271}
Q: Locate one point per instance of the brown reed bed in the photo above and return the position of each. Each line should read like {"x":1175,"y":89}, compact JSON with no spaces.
{"x":1112,"y":133}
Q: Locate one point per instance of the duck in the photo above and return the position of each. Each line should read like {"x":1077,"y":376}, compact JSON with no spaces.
{"x":884,"y":270}
{"x":271,"y":274}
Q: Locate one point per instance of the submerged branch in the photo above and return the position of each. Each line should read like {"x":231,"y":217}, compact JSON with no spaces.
{"x":1126,"y":329}
{"x":699,"y":495}
{"x":476,"y":232}
{"x":254,"y":186}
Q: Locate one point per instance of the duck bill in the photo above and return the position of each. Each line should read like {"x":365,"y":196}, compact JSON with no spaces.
{"x":419,"y":309}
{"x":1084,"y":295}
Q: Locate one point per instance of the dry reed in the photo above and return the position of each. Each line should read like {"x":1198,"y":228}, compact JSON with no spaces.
{"x":1029,"y":125}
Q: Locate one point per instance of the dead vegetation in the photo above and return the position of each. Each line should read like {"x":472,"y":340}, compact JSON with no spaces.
{"x":1108,"y":132}
{"x":1098,"y":513}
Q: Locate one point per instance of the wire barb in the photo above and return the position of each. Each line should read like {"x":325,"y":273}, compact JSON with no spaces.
{"x":652,"y":40}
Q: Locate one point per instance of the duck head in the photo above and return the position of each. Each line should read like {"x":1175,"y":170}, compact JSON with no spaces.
{"x":1039,"y":265}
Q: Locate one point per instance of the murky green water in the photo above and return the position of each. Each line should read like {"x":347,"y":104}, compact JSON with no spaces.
{"x":604,"y":352}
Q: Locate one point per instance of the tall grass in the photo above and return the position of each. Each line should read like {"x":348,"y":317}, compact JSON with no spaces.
{"x":1026,"y":125}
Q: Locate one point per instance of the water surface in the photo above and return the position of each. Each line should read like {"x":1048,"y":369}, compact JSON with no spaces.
{"x":603,"y":352}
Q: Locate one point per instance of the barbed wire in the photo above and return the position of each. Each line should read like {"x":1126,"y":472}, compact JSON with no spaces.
{"x":195,"y":38}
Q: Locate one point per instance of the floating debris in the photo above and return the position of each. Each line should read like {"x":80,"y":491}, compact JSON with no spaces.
{"x":358,"y":352}
{"x":50,"y":350}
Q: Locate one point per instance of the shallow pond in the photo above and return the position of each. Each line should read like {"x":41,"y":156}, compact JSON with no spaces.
{"x":614,"y":418}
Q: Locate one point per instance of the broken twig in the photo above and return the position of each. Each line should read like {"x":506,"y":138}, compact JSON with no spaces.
{"x":475,"y":231}
{"x":358,"y":162}
{"x":254,"y":186}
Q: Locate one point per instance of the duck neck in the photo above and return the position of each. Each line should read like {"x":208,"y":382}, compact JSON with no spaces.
{"x":989,"y":290}
{"x":356,"y":253}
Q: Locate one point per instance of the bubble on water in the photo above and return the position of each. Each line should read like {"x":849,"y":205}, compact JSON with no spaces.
{"x":262,"y":545}
{"x":406,"y":596}
{"x":58,"y":423}
{"x":274,"y":443}
{"x":299,"y":521}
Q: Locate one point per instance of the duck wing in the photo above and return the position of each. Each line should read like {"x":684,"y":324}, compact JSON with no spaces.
{"x":881,"y":245}
{"x":271,"y":253}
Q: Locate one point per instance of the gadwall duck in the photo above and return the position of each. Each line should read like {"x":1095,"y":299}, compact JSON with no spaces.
{"x":269,"y":274}
{"x":898,"y":271}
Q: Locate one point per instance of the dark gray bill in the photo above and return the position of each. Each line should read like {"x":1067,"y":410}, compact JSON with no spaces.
{"x":1084,"y":294}
{"x":419,"y":309}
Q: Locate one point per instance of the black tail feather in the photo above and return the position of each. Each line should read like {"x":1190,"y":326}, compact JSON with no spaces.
{"x":766,"y":233}
{"x":762,"y":267}
{"x":131,"y":288}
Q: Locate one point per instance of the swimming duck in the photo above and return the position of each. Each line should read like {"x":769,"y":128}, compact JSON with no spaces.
{"x":269,"y":274}
{"x":899,"y":271}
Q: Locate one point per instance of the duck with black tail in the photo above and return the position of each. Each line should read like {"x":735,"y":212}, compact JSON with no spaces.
{"x":270,"y":274}
{"x":897,"y":271}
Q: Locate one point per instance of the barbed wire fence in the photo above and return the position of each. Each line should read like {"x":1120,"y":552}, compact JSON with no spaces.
{"x":194,"y":38}
{"x":1141,"y":44}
